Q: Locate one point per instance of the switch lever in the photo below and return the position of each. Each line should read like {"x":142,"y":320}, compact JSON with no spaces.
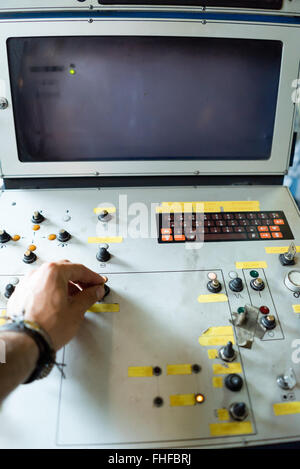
{"x":288,"y":258}
{"x":287,"y":380}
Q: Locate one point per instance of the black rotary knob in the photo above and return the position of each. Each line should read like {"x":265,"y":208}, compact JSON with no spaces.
{"x":233,"y":382}
{"x":268,"y":322}
{"x":103,"y":255}
{"x":238,"y":410}
{"x":236,"y":284}
{"x":29,"y":257}
{"x":37,"y":217}
{"x":9,"y":289}
{"x":4,"y":237}
{"x":104,"y":216}
{"x":214,"y":286}
{"x":63,"y":236}
{"x":227,"y":353}
{"x":106,"y":290}
{"x":257,"y":284}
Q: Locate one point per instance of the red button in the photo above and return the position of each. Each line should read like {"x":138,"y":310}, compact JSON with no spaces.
{"x":265,"y":235}
{"x":274,"y":228}
{"x":263,"y":228}
{"x":264,"y":310}
{"x":277,"y":235}
{"x":278,"y":221}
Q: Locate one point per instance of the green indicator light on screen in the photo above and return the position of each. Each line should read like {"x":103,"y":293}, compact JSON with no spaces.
{"x":72,"y":71}
{"x":254,"y":273}
{"x":241,"y":310}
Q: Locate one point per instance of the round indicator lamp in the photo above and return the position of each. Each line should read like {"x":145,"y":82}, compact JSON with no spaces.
{"x":292,"y":281}
{"x":72,"y":71}
{"x":264,"y":310}
{"x":199,"y":398}
{"x":212,"y":275}
{"x":254,"y":273}
{"x":241,"y":309}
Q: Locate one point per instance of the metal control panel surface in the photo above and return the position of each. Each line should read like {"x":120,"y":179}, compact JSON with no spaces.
{"x":145,"y":369}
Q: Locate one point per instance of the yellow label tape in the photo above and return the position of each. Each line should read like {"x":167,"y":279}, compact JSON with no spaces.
{"x":279,"y":249}
{"x":229,"y":368}
{"x":251,"y":265}
{"x":2,"y":313}
{"x":213,"y":298}
{"x":209,"y":206}
{"x":217,"y":336}
{"x":230,"y":428}
{"x":108,"y":239}
{"x":140,"y":371}
{"x":104,"y":308}
{"x":212,"y":353}
{"x":98,"y":210}
{"x":223,"y":414}
{"x":182,"y":400}
{"x":286,"y":408}
{"x":182,"y":369}
{"x":296,"y":308}
{"x":217,"y":382}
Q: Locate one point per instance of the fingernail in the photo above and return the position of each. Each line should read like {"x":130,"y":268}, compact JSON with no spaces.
{"x":99,"y":293}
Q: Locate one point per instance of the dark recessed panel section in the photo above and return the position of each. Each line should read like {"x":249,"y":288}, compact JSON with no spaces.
{"x":255,"y":4}
{"x":223,"y":226}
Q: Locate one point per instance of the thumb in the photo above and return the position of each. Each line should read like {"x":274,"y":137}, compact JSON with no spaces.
{"x":87,"y":297}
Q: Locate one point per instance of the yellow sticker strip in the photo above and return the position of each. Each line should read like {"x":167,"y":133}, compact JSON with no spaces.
{"x":286,"y":408}
{"x":209,"y":206}
{"x":219,"y":369}
{"x":182,"y":400}
{"x":140,"y":371}
{"x":223,"y":414}
{"x":217,"y":382}
{"x":98,"y":210}
{"x":2,"y":313}
{"x":230,"y":428}
{"x":183,"y":369}
{"x":217,"y":336}
{"x":279,"y":249}
{"x":212,"y":353}
{"x":106,"y":239}
{"x":213,"y":298}
{"x":104,"y":308}
{"x":296,"y":308}
{"x":251,"y":265}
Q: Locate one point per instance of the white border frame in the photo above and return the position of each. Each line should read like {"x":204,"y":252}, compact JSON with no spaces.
{"x":283,"y":129}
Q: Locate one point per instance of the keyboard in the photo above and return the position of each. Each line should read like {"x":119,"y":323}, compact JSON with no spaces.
{"x":223,"y":226}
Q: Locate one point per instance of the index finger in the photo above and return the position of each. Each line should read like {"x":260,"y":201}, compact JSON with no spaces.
{"x":78,"y":273}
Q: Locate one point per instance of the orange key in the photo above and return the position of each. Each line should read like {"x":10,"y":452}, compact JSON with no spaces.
{"x":265,"y":235}
{"x":166,"y":231}
{"x":274,"y":228}
{"x":167,"y":238}
{"x":277,"y":235}
{"x":263,"y":228}
{"x":179,"y":237}
{"x":278,"y":221}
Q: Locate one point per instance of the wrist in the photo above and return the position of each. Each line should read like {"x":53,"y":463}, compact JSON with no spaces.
{"x":21,"y":339}
{"x":46,"y":355}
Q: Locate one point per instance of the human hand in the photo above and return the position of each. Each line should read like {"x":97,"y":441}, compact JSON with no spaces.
{"x":56,"y":296}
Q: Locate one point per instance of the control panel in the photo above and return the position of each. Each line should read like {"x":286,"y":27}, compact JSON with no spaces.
{"x":197,"y":341}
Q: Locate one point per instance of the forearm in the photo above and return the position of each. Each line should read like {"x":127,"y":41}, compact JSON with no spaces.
{"x":21,"y":355}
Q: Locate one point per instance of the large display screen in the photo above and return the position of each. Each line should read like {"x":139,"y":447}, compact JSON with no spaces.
{"x":109,"y":98}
